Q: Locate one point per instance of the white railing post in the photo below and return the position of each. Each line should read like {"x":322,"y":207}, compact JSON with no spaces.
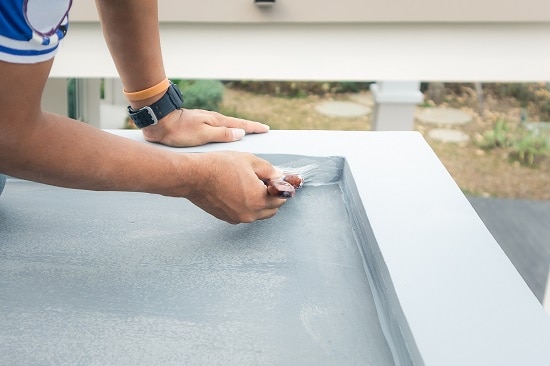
{"x":87,"y":100}
{"x":395,"y":104}
{"x":54,"y":97}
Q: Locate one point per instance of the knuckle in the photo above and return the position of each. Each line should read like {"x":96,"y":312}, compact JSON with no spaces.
{"x":248,"y":218}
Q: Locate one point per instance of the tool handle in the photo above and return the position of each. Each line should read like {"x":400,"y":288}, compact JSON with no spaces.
{"x":284,"y":186}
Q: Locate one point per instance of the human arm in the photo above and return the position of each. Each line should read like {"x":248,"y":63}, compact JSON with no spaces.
{"x":56,"y":150}
{"x":131,"y":30}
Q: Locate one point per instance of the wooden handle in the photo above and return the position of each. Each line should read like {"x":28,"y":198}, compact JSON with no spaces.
{"x":285,"y":186}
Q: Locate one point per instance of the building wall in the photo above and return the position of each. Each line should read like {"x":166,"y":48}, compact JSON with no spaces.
{"x":229,"y":11}
{"x":355,"y":40}
{"x":429,"y":40}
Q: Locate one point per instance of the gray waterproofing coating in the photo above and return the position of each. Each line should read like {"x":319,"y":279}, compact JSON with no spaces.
{"x":109,"y":278}
{"x":452,"y":296}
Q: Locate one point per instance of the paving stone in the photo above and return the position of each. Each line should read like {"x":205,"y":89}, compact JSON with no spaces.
{"x":362,"y":98}
{"x":540,"y":128}
{"x":445,"y":116}
{"x":448,"y":135}
{"x":342,"y":109}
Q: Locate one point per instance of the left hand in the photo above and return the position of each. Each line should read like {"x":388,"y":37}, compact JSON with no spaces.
{"x":194,"y":127}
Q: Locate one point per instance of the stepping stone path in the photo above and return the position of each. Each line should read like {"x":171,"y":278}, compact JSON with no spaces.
{"x":539,"y":128}
{"x":443,"y":116}
{"x":362,"y":98}
{"x":448,"y":135}
{"x":447,"y":117}
{"x":342,"y":109}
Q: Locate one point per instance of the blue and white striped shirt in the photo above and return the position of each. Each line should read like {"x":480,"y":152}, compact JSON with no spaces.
{"x":30,"y":30}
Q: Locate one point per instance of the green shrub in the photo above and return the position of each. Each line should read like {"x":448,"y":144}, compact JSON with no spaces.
{"x":71,"y":98}
{"x":299,"y":89}
{"x":522,"y":145}
{"x":530,"y":147}
{"x":533,"y":96}
{"x":499,"y":136}
{"x":201,"y":94}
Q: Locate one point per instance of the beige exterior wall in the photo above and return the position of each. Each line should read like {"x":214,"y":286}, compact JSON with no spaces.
{"x":341,"y":11}
{"x":393,"y":42}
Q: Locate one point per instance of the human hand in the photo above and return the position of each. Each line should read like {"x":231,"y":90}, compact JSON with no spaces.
{"x":230,"y":186}
{"x":194,"y":127}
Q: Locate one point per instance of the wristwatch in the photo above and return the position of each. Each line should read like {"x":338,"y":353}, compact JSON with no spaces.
{"x":151,"y":114}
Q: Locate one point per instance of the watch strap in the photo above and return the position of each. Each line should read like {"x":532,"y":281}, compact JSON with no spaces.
{"x":150,"y":115}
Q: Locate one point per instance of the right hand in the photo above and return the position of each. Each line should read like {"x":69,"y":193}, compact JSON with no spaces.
{"x":230,"y":186}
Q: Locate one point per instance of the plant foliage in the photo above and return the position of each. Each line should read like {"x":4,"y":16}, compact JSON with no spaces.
{"x":201,"y":94}
{"x":523,"y":145}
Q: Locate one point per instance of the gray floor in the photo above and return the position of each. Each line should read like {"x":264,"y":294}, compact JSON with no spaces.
{"x":522,"y":228}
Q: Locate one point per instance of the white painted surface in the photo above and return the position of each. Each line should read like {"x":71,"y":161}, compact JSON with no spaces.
{"x":395,"y":103}
{"x":112,"y":116}
{"x":335,"y":51}
{"x":54,"y":97}
{"x":546,"y":300}
{"x":461,"y":298}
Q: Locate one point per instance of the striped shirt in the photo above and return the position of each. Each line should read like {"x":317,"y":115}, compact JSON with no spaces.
{"x":30,"y":30}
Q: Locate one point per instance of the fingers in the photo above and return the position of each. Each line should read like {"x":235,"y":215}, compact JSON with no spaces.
{"x":264,"y":170}
{"x":272,"y":206}
{"x":243,"y":124}
{"x":224,"y":134}
{"x":228,"y":129}
{"x":269,"y":205}
{"x":230,"y":186}
{"x":219,"y":128}
{"x":194,"y":127}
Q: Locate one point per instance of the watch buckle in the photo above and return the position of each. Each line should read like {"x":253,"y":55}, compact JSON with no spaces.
{"x":152,"y":114}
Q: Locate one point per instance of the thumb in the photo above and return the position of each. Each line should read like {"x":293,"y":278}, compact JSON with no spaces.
{"x":225,"y":134}
{"x":265,"y":171}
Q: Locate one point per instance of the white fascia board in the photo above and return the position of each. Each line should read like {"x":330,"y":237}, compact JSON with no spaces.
{"x":492,"y":52}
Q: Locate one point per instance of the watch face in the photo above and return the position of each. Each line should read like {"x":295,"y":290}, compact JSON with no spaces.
{"x":176,"y":89}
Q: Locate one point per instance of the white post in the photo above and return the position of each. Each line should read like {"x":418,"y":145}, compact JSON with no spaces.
{"x":87,"y":100}
{"x":395,"y":105}
{"x":113,"y":107}
{"x":113,"y":92}
{"x":54,"y":98}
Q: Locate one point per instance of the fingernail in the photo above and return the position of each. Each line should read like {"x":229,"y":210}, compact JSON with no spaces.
{"x":238,"y":133}
{"x":266,"y":126}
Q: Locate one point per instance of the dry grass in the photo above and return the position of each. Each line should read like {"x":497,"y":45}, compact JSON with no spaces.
{"x":283,"y":113}
{"x":476,"y":171}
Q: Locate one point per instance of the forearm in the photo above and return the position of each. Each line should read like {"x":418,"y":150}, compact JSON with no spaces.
{"x":66,"y":153}
{"x":131,"y":31}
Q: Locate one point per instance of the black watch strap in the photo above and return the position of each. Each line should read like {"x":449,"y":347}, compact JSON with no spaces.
{"x":150,"y":115}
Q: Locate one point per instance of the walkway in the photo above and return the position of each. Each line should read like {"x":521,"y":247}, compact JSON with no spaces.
{"x":522,"y":228}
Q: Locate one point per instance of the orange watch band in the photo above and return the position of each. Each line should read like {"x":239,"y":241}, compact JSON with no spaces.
{"x":147,"y":93}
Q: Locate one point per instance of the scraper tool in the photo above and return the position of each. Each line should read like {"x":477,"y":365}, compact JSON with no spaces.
{"x":305,"y":171}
